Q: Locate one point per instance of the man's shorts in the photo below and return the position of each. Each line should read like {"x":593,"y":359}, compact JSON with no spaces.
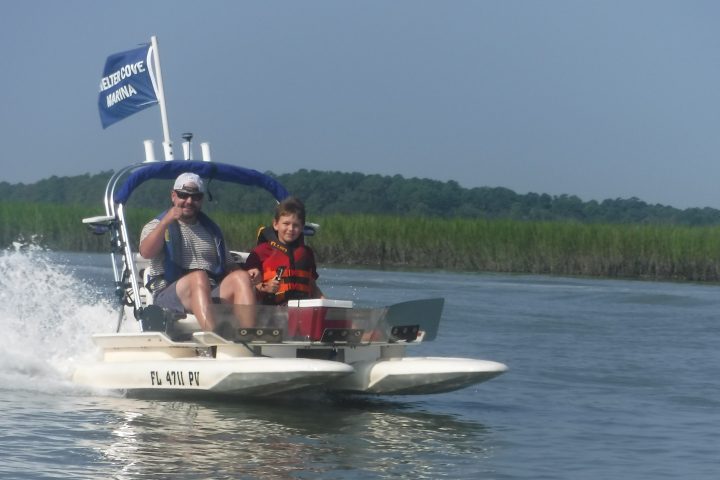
{"x":168,"y":297}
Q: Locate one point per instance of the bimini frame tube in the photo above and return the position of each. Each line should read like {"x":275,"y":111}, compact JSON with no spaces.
{"x":120,"y":252}
{"x":128,"y":256}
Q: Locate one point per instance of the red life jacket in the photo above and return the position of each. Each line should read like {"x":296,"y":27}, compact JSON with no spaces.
{"x":295,"y":263}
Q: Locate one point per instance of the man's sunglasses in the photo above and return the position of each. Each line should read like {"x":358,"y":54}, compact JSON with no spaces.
{"x":185,"y":195}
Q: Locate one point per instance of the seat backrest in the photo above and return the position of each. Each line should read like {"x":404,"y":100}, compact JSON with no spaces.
{"x":142,"y":265}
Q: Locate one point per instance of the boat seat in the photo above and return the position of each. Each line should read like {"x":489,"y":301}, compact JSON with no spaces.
{"x":178,"y":325}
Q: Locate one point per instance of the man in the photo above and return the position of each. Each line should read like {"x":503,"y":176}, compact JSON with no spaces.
{"x":189,"y":262}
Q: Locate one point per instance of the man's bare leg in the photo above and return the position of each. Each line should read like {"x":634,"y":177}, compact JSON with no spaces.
{"x":237,"y":289}
{"x":194,"y":290}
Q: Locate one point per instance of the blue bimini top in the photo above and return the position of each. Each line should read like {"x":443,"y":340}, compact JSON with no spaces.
{"x":169,"y":170}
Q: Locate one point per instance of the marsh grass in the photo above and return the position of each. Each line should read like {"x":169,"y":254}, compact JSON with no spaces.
{"x":559,"y":248}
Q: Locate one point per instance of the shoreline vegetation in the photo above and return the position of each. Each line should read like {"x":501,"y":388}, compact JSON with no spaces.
{"x":568,"y":248}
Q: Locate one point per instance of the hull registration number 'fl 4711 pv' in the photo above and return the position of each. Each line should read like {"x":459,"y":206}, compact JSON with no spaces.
{"x":175,"y":378}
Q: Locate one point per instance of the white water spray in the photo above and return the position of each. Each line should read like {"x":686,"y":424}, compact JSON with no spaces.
{"x":47,"y":316}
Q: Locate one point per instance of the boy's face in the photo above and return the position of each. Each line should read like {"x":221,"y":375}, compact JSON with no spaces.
{"x":288,"y":228}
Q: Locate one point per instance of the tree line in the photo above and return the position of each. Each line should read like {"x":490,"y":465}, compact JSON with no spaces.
{"x":332,"y":192}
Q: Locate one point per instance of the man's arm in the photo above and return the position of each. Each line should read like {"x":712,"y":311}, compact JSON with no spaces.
{"x":152,"y":244}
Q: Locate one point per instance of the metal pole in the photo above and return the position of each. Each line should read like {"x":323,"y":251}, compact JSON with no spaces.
{"x":167,"y":143}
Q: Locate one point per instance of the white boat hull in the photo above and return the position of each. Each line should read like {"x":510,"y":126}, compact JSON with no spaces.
{"x":248,"y":376}
{"x":150,"y":363}
{"x":417,"y":375}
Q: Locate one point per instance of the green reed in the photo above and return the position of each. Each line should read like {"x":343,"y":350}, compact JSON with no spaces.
{"x":560,"y":248}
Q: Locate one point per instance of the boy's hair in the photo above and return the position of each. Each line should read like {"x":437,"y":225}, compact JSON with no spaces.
{"x":291,"y":206}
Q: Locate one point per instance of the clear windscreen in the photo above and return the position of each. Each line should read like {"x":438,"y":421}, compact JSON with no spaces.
{"x":412,"y":321}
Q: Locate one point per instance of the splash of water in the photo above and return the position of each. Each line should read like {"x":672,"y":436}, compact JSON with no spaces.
{"x":47,"y":317}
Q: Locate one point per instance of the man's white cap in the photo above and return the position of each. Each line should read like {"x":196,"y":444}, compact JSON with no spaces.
{"x":190,"y":183}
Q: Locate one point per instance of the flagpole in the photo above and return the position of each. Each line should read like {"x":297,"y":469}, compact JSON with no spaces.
{"x":167,"y":143}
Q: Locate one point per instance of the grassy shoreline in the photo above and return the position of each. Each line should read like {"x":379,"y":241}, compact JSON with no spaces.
{"x":657,"y":252}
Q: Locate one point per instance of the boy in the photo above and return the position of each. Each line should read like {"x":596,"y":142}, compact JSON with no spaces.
{"x":282,"y":260}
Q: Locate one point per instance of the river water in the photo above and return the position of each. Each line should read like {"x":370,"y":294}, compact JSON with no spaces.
{"x":608,"y":379}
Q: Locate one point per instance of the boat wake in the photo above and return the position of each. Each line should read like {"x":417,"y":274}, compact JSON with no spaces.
{"x":46,"y":316}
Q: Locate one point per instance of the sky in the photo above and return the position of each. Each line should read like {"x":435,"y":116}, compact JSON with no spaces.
{"x":594,"y":98}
